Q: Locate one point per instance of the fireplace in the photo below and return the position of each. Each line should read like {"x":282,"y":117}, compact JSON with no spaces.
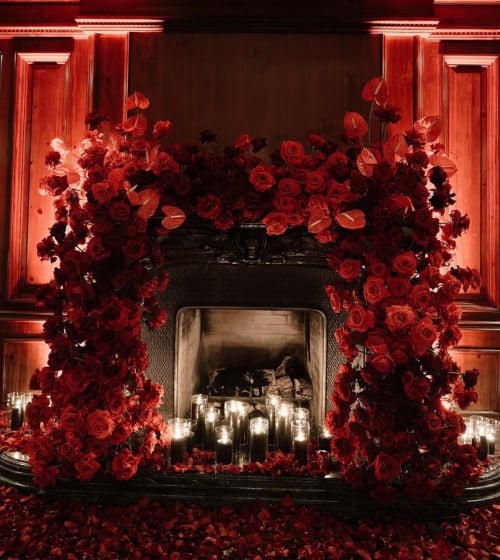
{"x":244,"y":304}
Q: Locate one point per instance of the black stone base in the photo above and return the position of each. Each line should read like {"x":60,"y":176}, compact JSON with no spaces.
{"x":215,"y":490}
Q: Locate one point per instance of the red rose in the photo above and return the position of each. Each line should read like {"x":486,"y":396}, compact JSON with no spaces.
{"x":161,"y":128}
{"x":208,"y":206}
{"x":96,"y":250}
{"x":376,"y":342}
{"x":349,"y":269}
{"x":134,"y":249}
{"x":100,"y":424}
{"x":289,"y":187}
{"x":224,"y":221}
{"x":75,"y":379}
{"x":119,"y":211}
{"x":398,"y":286}
{"x":360,"y":319}
{"x":115,"y":314}
{"x":124,"y":465}
{"x":377,"y":268}
{"x":343,"y":447}
{"x":417,"y":388}
{"x":315,"y":182}
{"x":87,"y":466}
{"x":261,"y":178}
{"x":44,"y":475}
{"x":75,"y":264}
{"x":102,"y":192}
{"x":286,"y":204}
{"x":451,"y":313}
{"x":399,"y":317}
{"x":292,"y":152}
{"x":433,"y":468}
{"x":374,"y":289}
{"x":383,"y":363}
{"x":433,"y":423}
{"x":470,"y":377}
{"x":276,"y":223}
{"x":71,"y":420}
{"x":423,"y":335}
{"x":164,"y":163}
{"x":338,"y":193}
{"x":243,"y":142}
{"x":346,"y":343}
{"x":121,"y":433}
{"x":386,"y":467}
{"x":337,"y":297}
{"x":405,"y":263}
{"x":420,"y":296}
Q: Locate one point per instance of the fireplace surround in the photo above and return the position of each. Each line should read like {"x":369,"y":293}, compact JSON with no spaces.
{"x":266,"y":295}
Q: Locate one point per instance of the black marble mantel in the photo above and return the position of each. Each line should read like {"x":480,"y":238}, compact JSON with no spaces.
{"x":212,"y":490}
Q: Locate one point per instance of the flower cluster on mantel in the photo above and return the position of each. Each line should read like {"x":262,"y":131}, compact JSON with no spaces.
{"x":382,"y":210}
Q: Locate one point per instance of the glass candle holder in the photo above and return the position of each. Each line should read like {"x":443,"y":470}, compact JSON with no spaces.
{"x":179,"y":432}
{"x":258,"y":439}
{"x":300,"y":413}
{"x":224,"y":438}
{"x":491,"y":435}
{"x":272,"y":404}
{"x":324,"y":439}
{"x":198,"y":406}
{"x":236,"y":416}
{"x":212,"y":418}
{"x":16,"y":403}
{"x":300,"y":440}
{"x":284,"y":416}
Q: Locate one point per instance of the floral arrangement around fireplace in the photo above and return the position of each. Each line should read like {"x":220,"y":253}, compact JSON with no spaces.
{"x":382,"y":211}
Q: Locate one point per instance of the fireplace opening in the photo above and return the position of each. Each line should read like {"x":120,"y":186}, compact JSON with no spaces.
{"x":237,"y":352}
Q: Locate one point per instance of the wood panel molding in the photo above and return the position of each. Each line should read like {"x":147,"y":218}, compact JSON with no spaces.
{"x":478,"y":142}
{"x":24,"y":183}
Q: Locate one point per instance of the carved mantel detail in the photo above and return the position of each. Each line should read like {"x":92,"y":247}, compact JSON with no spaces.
{"x":248,"y":244}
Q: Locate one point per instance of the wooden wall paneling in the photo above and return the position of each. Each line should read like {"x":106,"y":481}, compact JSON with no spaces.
{"x":399,"y":62}
{"x":20,"y":358}
{"x":40,"y":114}
{"x":430,"y":79}
{"x":110,"y":78}
{"x":265,"y":84}
{"x":471,"y":118}
{"x":6,"y":68}
{"x":52,"y":92}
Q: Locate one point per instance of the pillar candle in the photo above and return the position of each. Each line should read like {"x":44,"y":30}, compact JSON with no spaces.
{"x":212,"y":415}
{"x":198,"y":406}
{"x":224,"y":445}
{"x":258,"y":439}
{"x":300,"y":440}
{"x":283,"y":426}
{"x":272,"y":404}
{"x":179,"y":432}
{"x":324,"y":439}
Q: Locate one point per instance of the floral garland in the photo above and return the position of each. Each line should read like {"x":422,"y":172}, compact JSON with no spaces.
{"x":381,"y":210}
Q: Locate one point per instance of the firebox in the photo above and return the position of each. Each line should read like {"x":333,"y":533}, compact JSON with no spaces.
{"x":244,"y":353}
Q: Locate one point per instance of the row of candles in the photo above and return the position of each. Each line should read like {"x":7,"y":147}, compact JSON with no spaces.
{"x":13,"y":416}
{"x":235,"y":437}
{"x":482,"y":432}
